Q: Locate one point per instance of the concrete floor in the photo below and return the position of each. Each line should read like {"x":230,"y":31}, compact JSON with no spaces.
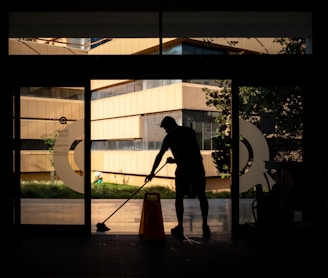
{"x":122,"y":252}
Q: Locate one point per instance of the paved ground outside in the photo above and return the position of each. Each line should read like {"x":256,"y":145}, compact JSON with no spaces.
{"x":126,"y":220}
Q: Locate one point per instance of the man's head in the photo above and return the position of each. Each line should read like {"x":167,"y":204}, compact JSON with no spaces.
{"x":168,"y":123}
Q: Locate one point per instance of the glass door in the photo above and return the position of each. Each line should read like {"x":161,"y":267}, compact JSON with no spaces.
{"x":51,"y":156}
{"x":271,"y":120}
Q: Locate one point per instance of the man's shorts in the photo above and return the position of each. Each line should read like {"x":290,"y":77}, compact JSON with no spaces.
{"x":190,"y":184}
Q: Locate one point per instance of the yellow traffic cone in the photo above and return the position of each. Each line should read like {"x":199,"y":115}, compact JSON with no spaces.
{"x":151,"y":221}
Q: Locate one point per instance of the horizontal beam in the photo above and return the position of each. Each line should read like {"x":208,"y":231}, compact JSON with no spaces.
{"x":77,"y":69}
{"x":146,"y":24}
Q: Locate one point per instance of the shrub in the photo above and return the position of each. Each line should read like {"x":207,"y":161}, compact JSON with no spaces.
{"x":104,"y":190}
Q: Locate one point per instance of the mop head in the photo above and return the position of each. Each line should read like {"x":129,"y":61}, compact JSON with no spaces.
{"x":101,"y":227}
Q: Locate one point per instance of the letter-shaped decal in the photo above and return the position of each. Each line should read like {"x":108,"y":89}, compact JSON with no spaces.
{"x":62,"y":148}
{"x":260,"y":153}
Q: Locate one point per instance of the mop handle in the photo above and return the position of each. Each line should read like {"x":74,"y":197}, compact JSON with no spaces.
{"x":133,"y":194}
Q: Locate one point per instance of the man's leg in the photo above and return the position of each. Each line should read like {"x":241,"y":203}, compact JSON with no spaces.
{"x":203,"y":202}
{"x":179,"y":209}
{"x":199,"y":188}
{"x":204,"y":210}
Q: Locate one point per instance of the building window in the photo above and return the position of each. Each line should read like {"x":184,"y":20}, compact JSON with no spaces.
{"x":203,"y":122}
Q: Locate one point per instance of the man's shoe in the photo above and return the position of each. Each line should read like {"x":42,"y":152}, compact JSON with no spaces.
{"x":177,"y":231}
{"x":206,"y":232}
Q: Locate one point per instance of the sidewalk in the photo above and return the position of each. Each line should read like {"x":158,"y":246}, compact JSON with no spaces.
{"x":127,"y":219}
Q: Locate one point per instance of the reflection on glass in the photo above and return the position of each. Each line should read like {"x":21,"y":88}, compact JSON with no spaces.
{"x":48,"y":118}
{"x":151,"y":46}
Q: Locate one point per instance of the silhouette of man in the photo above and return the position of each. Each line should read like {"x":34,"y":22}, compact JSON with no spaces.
{"x":189,"y":174}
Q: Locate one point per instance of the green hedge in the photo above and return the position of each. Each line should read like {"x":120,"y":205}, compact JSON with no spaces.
{"x":102,"y":190}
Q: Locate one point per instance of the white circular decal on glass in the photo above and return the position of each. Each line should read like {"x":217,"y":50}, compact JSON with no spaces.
{"x":73,"y":178}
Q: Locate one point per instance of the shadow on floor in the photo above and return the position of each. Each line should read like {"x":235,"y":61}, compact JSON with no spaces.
{"x":253,"y":253}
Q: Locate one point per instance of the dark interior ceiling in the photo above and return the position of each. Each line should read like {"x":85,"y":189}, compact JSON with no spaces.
{"x":155,"y":24}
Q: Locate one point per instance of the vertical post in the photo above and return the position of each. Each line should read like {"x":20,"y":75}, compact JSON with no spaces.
{"x":235,"y":158}
{"x":87,"y":155}
{"x":160,"y":32}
